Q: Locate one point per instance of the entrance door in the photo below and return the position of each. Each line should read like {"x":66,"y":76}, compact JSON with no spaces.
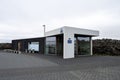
{"x":51,"y":45}
{"x":19,"y":46}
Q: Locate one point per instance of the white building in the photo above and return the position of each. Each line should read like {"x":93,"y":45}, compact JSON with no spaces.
{"x":75,"y":40}
{"x":67,"y":42}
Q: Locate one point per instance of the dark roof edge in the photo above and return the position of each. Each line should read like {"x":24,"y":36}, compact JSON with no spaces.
{"x":28,"y":38}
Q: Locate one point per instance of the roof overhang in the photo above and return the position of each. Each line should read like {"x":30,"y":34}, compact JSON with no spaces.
{"x":80,"y":31}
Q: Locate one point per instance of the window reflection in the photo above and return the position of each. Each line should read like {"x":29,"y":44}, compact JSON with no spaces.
{"x":82,"y":45}
{"x":50,"y":45}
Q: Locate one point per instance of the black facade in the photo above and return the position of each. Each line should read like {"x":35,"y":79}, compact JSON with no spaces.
{"x":22,"y":44}
{"x":53,"y":45}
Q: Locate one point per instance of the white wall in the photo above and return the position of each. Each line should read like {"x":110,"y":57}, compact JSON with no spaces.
{"x":80,"y":31}
{"x":54,"y":32}
{"x":68,"y":47}
{"x":74,"y":30}
{"x":91,"y":46}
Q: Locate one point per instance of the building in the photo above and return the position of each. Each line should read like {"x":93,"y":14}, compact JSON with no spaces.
{"x":67,"y":42}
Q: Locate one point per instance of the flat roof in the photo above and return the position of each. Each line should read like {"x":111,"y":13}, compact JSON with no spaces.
{"x":73,"y":30}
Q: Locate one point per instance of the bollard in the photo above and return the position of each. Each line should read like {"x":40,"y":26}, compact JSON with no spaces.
{"x":19,"y":52}
{"x":29,"y":51}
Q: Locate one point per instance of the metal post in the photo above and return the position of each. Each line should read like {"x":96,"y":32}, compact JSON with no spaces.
{"x":45,"y":40}
{"x":44,"y":30}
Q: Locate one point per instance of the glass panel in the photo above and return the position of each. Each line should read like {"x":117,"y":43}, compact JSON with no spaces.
{"x":82,"y":45}
{"x":33,"y":46}
{"x":50,"y":45}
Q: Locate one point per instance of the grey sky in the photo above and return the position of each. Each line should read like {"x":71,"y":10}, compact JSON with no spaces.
{"x":24,"y":18}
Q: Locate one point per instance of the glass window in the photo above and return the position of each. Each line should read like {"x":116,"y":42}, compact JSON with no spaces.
{"x":82,"y":45}
{"x":33,"y":46}
{"x":50,"y":45}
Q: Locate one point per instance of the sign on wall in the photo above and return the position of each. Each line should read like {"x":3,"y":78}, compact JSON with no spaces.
{"x":69,"y":41}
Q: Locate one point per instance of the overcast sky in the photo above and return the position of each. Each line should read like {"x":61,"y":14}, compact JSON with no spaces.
{"x":24,"y":18}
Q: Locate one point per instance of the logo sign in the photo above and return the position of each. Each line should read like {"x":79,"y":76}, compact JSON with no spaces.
{"x":69,"y":41}
{"x":61,"y":30}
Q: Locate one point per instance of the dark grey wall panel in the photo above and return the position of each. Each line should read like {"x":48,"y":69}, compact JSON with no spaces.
{"x":24,"y":44}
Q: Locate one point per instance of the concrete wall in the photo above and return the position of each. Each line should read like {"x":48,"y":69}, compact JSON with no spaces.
{"x":80,"y":31}
{"x":91,"y":46}
{"x":55,"y":32}
{"x":68,"y":47}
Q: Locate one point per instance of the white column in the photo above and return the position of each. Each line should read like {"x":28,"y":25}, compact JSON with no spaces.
{"x":68,"y":47}
{"x":91,"y":46}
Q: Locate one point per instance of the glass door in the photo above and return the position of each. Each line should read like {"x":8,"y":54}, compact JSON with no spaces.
{"x":51,"y":45}
{"x":82,"y":45}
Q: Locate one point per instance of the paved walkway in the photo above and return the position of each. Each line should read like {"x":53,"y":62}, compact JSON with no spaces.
{"x":41,"y":67}
{"x":12,"y":60}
